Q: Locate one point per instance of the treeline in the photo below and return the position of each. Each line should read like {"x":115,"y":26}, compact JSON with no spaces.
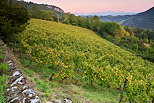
{"x":138,"y":41}
{"x":94,"y":23}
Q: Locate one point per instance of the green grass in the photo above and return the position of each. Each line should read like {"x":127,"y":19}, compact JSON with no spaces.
{"x":42,"y":70}
{"x":27,"y":71}
{"x":2,"y":88}
{"x":1,"y":50}
{"x":1,"y":55}
{"x":25,"y":62}
{"x":4,"y":68}
{"x":82,"y":95}
{"x":42,"y":86}
{"x":3,"y":77}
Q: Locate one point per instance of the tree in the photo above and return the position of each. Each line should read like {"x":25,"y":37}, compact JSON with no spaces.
{"x":73,"y":19}
{"x":112,"y":28}
{"x":96,"y":23}
{"x":129,"y":30}
{"x":81,"y":21}
{"x":13,"y":18}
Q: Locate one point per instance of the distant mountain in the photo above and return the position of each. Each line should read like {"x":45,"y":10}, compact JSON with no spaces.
{"x":119,"y":18}
{"x":106,"y":13}
{"x":142,"y":20}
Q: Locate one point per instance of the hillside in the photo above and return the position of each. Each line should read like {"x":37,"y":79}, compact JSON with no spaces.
{"x":142,"y":20}
{"x":119,"y":18}
{"x":71,"y":54}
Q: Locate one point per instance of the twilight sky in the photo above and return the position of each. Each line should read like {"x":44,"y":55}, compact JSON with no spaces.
{"x":90,"y":6}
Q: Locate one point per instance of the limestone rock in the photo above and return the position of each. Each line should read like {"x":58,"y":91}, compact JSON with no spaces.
{"x":67,"y":101}
{"x":49,"y":102}
{"x":29,"y":93}
{"x":57,"y":101}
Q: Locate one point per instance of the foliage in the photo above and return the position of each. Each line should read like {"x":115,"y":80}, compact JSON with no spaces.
{"x":78,"y":55}
{"x":113,"y":29}
{"x":140,"y":42}
{"x":13,"y":18}
{"x":92,"y":23}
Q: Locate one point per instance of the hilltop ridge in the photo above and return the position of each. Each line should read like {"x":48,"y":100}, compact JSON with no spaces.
{"x":57,"y":11}
{"x":142,"y":20}
{"x":40,"y":6}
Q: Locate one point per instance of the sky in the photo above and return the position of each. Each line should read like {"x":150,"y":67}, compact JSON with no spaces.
{"x":92,"y":6}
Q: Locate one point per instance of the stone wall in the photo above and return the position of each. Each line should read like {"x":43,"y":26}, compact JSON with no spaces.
{"x":18,"y":89}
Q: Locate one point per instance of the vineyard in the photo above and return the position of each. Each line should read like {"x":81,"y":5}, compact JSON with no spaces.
{"x":79,"y":56}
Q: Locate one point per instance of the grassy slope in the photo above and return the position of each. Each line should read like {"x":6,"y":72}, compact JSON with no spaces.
{"x":3,"y":77}
{"x":75,"y":45}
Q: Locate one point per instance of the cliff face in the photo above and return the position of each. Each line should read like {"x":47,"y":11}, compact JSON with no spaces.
{"x":142,"y":20}
{"x":29,"y":6}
